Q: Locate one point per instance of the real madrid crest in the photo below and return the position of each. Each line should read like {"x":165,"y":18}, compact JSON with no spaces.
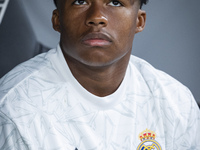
{"x":148,"y":141}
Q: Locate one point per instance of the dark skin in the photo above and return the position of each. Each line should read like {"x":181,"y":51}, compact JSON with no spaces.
{"x":96,"y":40}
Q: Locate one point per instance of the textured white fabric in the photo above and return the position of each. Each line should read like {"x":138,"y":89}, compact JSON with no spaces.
{"x":43,"y":107}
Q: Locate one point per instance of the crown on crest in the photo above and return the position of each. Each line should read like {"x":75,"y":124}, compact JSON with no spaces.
{"x":147,"y":135}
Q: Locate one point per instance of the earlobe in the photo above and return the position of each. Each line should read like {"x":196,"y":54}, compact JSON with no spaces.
{"x":141,"y":21}
{"x":55,"y":20}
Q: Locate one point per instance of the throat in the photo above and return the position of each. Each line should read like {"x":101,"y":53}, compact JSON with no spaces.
{"x":100,"y":82}
{"x":101,"y":88}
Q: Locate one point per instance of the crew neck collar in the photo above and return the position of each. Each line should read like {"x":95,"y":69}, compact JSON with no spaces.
{"x":78,"y":90}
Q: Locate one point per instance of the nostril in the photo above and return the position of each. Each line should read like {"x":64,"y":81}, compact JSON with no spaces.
{"x":96,"y":22}
{"x":91,"y":22}
{"x":101,"y":22}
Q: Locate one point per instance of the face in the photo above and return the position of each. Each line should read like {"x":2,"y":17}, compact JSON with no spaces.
{"x":98,"y":32}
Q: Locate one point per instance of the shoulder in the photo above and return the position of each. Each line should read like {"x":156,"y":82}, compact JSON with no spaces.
{"x":172,"y":96}
{"x":155,"y":78}
{"x":23,"y":72}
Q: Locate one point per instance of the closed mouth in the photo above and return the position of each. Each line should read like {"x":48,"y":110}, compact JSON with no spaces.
{"x":96,"y":39}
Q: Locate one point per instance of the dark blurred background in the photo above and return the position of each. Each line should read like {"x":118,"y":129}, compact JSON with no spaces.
{"x":170,"y":41}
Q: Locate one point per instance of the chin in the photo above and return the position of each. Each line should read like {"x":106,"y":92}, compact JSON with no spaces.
{"x":98,"y":59}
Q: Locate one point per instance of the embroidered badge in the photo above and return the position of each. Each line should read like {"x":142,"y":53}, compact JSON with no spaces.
{"x":148,"y":141}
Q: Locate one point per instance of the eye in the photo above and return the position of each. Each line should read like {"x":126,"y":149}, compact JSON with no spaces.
{"x":115,"y":3}
{"x":79,"y":2}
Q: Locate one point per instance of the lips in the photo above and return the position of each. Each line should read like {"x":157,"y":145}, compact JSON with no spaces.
{"x":96,"y":39}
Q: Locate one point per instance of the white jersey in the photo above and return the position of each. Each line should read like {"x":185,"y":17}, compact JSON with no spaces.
{"x":43,"y":107}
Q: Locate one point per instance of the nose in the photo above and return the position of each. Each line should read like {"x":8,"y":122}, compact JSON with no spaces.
{"x":96,"y":16}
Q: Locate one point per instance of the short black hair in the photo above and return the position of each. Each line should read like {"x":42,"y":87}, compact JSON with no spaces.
{"x":142,"y":2}
{"x":55,"y":2}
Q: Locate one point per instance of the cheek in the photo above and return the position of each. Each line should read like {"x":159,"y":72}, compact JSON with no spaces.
{"x":72,"y":23}
{"x":124,"y":24}
{"x":125,"y":33}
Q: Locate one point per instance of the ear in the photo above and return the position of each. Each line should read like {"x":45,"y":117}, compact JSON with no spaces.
{"x":141,"y":21}
{"x":55,"y":20}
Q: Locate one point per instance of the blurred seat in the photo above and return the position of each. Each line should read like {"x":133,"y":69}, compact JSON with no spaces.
{"x":18,"y":42}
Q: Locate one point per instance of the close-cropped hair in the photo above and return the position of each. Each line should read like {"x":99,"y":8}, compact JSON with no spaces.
{"x":142,"y":2}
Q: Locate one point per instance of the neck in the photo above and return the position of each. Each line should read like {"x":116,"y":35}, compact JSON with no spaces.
{"x":100,"y":81}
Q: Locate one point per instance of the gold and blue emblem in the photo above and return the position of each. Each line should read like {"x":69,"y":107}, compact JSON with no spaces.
{"x":148,"y":141}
